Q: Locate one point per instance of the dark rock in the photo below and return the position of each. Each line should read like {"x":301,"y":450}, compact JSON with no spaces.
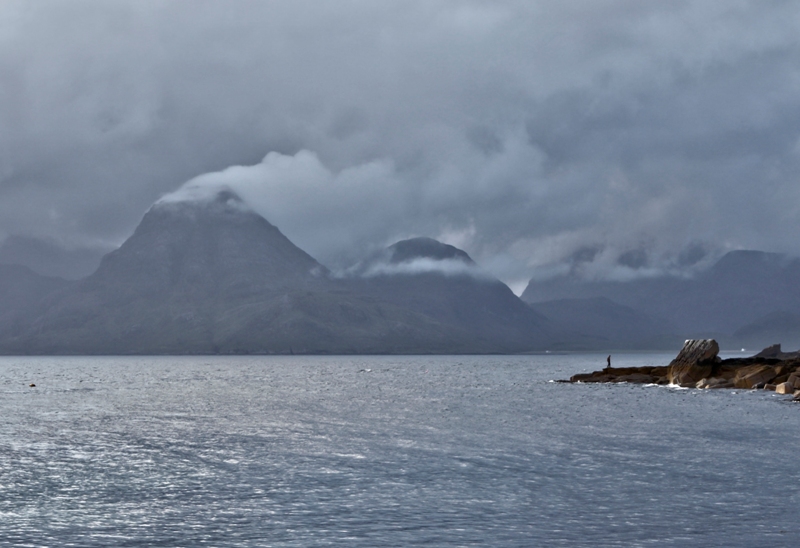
{"x":774,"y":351}
{"x":771,"y":351}
{"x":726,"y":384}
{"x":694,"y":362}
{"x":637,"y":378}
{"x":713,"y":382}
{"x":727,"y":370}
{"x":597,"y":376}
{"x":753,"y":375}
{"x":659,"y":371}
{"x":697,"y":365}
{"x":780,"y":378}
{"x":637,"y":375}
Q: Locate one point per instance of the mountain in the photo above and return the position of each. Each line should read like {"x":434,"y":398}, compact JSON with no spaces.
{"x":217,"y":247}
{"x":164,"y":288}
{"x":741,"y":288}
{"x":48,"y":258}
{"x":445,"y":284}
{"x":426,"y":248}
{"x":24,"y":293}
{"x":212,"y":276}
{"x":599,"y":323}
{"x":781,"y":327}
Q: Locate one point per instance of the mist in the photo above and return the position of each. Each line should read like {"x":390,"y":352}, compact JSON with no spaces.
{"x":525,"y":133}
{"x":445,"y":267}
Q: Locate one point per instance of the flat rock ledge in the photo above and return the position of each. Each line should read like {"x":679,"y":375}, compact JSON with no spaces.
{"x":698,"y":365}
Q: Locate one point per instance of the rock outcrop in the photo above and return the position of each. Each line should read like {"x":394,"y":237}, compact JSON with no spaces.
{"x":714,"y":382}
{"x":694,"y":362}
{"x":774,"y":351}
{"x":698,"y":366}
{"x":754,"y":375}
{"x":636,"y":375}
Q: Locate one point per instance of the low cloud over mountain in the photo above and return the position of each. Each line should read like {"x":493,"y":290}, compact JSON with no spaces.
{"x":522,"y":132}
{"x":203,"y":273}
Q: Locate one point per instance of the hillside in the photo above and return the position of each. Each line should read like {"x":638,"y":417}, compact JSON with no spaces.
{"x":213,"y":276}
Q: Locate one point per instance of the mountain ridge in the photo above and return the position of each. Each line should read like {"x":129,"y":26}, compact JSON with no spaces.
{"x":742,"y":287}
{"x":211,"y":276}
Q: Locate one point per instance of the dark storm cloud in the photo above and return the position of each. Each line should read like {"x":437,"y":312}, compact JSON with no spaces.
{"x":521,"y":131}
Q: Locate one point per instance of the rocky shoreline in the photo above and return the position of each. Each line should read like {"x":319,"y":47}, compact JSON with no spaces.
{"x":699,"y":366}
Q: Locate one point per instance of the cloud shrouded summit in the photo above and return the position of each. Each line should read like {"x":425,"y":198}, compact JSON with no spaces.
{"x":622,"y":137}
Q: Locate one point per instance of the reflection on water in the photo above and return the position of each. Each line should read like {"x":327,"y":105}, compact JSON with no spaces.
{"x":372,"y":451}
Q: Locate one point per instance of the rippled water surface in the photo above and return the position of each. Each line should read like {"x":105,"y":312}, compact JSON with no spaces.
{"x":386,"y":451}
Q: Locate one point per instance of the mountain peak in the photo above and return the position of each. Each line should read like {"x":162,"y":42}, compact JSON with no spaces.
{"x":426,"y":248}
{"x":750,"y":259}
{"x":219,"y":198}
{"x":214,"y":241}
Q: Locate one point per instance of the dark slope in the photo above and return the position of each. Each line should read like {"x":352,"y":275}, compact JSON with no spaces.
{"x":465,"y":297}
{"x":23,"y":294}
{"x":779,"y":327}
{"x":21,"y":287}
{"x":208,"y":277}
{"x":217,"y":248}
{"x":599,"y":323}
{"x":163,"y":289}
{"x":740,"y":288}
{"x":48,"y":259}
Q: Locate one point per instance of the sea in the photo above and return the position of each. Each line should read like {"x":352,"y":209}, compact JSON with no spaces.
{"x":387,"y":451}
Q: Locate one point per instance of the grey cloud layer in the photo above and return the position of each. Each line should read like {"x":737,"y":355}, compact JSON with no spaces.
{"x":521,"y":131}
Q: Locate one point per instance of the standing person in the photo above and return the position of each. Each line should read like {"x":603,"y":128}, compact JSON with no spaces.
{"x":608,"y":361}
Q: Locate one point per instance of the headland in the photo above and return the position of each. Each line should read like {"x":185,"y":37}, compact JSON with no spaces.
{"x":698,"y":365}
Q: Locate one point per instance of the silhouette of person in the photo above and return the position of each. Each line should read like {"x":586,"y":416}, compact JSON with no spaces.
{"x":608,"y":361}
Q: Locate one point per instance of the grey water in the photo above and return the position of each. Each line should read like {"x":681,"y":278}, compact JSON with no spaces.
{"x":386,"y":451}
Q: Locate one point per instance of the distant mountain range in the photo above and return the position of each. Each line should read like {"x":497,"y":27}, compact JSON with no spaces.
{"x":212,"y":276}
{"x":747,"y":299}
{"x":48,"y":258}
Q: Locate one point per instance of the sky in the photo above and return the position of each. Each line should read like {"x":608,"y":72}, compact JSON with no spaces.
{"x":619,"y":138}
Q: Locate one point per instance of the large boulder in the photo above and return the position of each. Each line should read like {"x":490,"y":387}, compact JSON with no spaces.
{"x":754,"y":375}
{"x":694,"y":362}
{"x":714,"y":382}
